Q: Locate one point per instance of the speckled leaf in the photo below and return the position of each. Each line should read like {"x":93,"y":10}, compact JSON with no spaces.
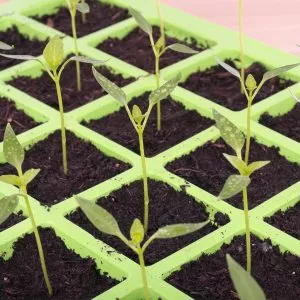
{"x":229,"y":132}
{"x":276,"y":72}
{"x":234,"y":185}
{"x":142,"y":22}
{"x":137,"y":232}
{"x":99,"y":217}
{"x":11,"y":179}
{"x":12,"y":149}
{"x":111,"y":88}
{"x":7,"y":206}
{"x":182,"y":48}
{"x":165,"y":90}
{"x":30,"y":175}
{"x":245,"y":285}
{"x":54,"y":53}
{"x":228,"y":68}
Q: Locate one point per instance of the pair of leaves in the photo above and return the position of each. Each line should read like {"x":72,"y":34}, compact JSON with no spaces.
{"x":7,"y":206}
{"x":106,"y":223}
{"x":245,"y":285}
{"x":16,"y":180}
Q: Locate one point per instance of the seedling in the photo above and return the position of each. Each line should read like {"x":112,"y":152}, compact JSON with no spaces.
{"x":54,"y":57}
{"x":245,"y":285}
{"x":83,"y":7}
{"x":159,"y":47}
{"x":139,"y":120}
{"x":14,"y":155}
{"x":236,"y":139}
{"x":106,"y":223}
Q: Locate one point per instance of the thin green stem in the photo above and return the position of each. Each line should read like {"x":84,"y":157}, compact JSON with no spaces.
{"x":144,"y":274}
{"x":157,"y":76}
{"x":248,"y":133}
{"x":74,"y":32}
{"x":62,"y":123}
{"x":248,"y":237}
{"x":161,"y":21}
{"x":37,"y":236}
{"x":83,"y":15}
{"x":145,"y":181}
{"x":242,"y":52}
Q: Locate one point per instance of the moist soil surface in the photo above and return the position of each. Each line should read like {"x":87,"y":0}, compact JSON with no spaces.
{"x":13,"y":219}
{"x":208,"y":277}
{"x":178,"y":124}
{"x":100,"y":16}
{"x":22,"y":45}
{"x":43,"y":87}
{"x":207,"y":168}
{"x":71,"y":276}
{"x":19,"y":121}
{"x":87,"y":166}
{"x":287,"y":124}
{"x":218,"y":85}
{"x":135,"y":49}
{"x":167,"y":207}
{"x":288,"y":221}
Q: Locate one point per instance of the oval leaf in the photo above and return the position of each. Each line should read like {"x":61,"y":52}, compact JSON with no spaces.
{"x":234,"y":185}
{"x":83,"y":7}
{"x":30,"y":175}
{"x":238,"y":163}
{"x":160,"y":44}
{"x":256,"y":166}
{"x":99,"y":217}
{"x":165,"y":90}
{"x":11,"y":179}
{"x":245,"y":285}
{"x":4,"y":46}
{"x":228,"y":68}
{"x":7,"y":206}
{"x":142,"y":22}
{"x":54,"y":53}
{"x":111,"y":88}
{"x":229,"y":132}
{"x":87,"y":60}
{"x":182,"y":48}
{"x":12,"y":149}
{"x":137,"y":232}
{"x":137,"y":114}
{"x":276,"y":72}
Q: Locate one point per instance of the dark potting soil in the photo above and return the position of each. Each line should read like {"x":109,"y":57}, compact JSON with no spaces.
{"x":167,"y":207}
{"x":178,"y":124}
{"x":71,"y":276}
{"x":208,"y":277}
{"x":19,"y":121}
{"x":288,"y":221}
{"x":135,"y":49}
{"x":22,"y":45}
{"x":43,"y":87}
{"x":207,"y":168}
{"x":87,"y":166}
{"x":101,"y":15}
{"x":218,"y":85}
{"x":287,"y":124}
{"x":13,"y":219}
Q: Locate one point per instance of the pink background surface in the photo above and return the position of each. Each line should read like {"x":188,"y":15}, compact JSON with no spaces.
{"x":276,"y":22}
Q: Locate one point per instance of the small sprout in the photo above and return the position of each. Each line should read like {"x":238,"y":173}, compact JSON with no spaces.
{"x":245,"y":285}
{"x":54,"y":53}
{"x":139,"y":121}
{"x":251,"y":83}
{"x":234,"y":185}
{"x":7,"y":206}
{"x":14,"y":155}
{"x":106,"y":223}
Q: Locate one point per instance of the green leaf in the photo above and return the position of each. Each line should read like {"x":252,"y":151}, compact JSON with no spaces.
{"x":4,"y":46}
{"x":72,"y":4}
{"x":54,"y":53}
{"x":229,"y":132}
{"x":182,"y":48}
{"x":276,"y":72}
{"x":137,"y":232}
{"x":111,"y":88}
{"x":173,"y":231}
{"x":137,"y":114}
{"x":11,"y":179}
{"x":19,"y":57}
{"x":87,"y":60}
{"x":238,"y":163}
{"x":228,"y":68}
{"x":99,"y":217}
{"x":251,"y":83}
{"x":30,"y":175}
{"x":256,"y":166}
{"x":12,"y":149}
{"x":165,"y":90}
{"x":245,"y":285}
{"x":83,"y":7}
{"x":234,"y":185}
{"x":7,"y":205}
{"x":142,"y":22}
{"x":160,"y":44}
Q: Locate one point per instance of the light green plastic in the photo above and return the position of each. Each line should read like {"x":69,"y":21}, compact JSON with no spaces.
{"x":223,"y":43}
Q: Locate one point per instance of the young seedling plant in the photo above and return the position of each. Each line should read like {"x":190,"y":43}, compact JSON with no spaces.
{"x":14,"y":155}
{"x":139,"y":120}
{"x":53,"y":55}
{"x":106,"y":223}
{"x":83,"y":7}
{"x":236,"y":139}
{"x":159,"y":47}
